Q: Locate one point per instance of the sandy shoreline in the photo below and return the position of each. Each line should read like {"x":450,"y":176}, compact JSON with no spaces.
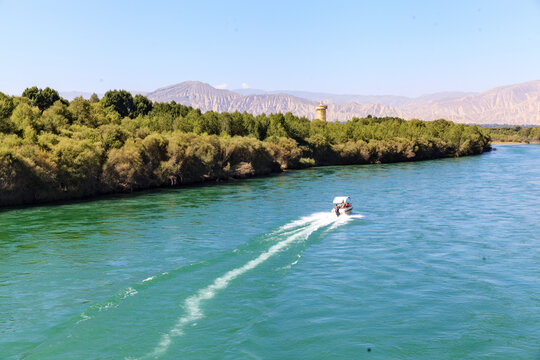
{"x":514,"y":143}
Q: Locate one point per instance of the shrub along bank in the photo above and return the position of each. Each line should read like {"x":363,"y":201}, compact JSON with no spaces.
{"x":52,"y":149}
{"x":515,"y":134}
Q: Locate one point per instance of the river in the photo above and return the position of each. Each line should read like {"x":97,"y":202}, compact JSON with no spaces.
{"x":441,"y":260}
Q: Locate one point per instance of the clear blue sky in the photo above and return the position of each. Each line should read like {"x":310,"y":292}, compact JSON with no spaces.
{"x":359,"y":47}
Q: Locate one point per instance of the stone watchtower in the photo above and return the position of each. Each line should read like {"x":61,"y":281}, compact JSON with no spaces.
{"x":321,"y":111}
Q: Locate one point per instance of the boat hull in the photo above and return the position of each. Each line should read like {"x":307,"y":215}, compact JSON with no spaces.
{"x":346,"y":211}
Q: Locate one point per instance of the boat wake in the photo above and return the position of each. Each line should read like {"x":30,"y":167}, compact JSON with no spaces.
{"x":133,"y":290}
{"x":296,"y":231}
{"x":138,"y":298}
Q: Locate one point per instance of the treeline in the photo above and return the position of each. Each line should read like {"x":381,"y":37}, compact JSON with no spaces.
{"x":52,"y":149}
{"x":516,"y":134}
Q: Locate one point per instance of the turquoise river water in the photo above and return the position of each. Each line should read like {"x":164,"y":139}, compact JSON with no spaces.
{"x":441,"y":260}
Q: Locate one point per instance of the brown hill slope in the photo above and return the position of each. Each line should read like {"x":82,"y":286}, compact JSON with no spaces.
{"x":514,"y":104}
{"x":517,"y":104}
{"x":205,"y":97}
{"x":196,"y":94}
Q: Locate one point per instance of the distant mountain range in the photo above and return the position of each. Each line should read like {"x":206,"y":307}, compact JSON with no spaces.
{"x":328,"y":98}
{"x":513,"y":105}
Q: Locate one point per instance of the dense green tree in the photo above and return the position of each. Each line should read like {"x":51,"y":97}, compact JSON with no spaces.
{"x":6,"y":109}
{"x":113,"y":136}
{"x":120,"y":101}
{"x":42,"y":98}
{"x":124,"y":170}
{"x":208,"y":123}
{"x":78,"y":165}
{"x":31,"y":93}
{"x":260,"y":128}
{"x":277,"y":126}
{"x":6,"y":106}
{"x":80,"y":110}
{"x":94,"y":98}
{"x":515,"y":134}
{"x":141,"y":106}
{"x":297,"y":128}
{"x":286,"y":152}
{"x":55,"y":118}
{"x":154,"y":153}
{"x":25,"y":117}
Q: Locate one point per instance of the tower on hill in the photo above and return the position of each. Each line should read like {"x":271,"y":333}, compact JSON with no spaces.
{"x":321,"y":111}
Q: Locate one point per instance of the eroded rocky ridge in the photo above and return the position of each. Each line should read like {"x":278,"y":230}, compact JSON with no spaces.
{"x":514,"y":104}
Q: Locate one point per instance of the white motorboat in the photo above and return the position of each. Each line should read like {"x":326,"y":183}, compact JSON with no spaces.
{"x":342,"y":205}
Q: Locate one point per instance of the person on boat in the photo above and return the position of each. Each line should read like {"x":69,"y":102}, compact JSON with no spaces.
{"x":337,"y":209}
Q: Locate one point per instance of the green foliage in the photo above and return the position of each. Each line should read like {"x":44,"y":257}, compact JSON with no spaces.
{"x":6,"y":109}
{"x":26,"y":119}
{"x":94,"y":98}
{"x":516,"y":134}
{"x":16,"y":177}
{"x":31,"y":93}
{"x":42,"y":98}
{"x":56,"y":118}
{"x":208,"y":123}
{"x":286,"y":152}
{"x":120,"y":101}
{"x":84,"y":112}
{"x":58,"y":150}
{"x":277,"y":126}
{"x":6,"y":106}
{"x":306,"y":162}
{"x":141,"y":106}
{"x":154,"y":155}
{"x":233,"y":124}
{"x":113,"y":136}
{"x":77,"y":165}
{"x":123,"y":170}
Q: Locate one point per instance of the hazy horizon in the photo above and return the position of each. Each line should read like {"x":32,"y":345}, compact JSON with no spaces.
{"x":73,"y":92}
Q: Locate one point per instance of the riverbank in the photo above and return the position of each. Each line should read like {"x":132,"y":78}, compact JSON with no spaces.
{"x":514,"y":135}
{"x":241,"y":170}
{"x":82,"y":149}
{"x":515,"y":142}
{"x":192,"y":184}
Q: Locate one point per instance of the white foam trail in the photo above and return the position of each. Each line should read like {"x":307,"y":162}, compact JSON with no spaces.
{"x":154,"y":277}
{"x":84,"y":317}
{"x":129,"y":292}
{"x":344,"y":219}
{"x":300,"y":229}
{"x":296,"y":261}
{"x":287,"y":267}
